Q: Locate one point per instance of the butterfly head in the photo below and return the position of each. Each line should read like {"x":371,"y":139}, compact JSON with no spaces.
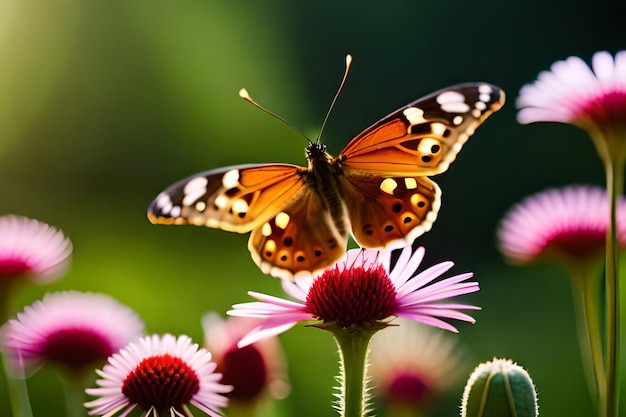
{"x":316,"y":152}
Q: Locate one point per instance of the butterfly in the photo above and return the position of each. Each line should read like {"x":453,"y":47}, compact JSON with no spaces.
{"x":377,"y":189}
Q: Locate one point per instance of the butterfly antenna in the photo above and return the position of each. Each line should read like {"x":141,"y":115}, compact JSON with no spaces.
{"x":332,"y":104}
{"x":243,"y":93}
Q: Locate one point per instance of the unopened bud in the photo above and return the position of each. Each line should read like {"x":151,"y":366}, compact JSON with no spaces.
{"x":499,"y":388}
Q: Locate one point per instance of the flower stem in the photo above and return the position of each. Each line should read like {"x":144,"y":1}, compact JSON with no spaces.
{"x":614,"y":184}
{"x":74,"y":385}
{"x":587,"y":291}
{"x":353,"y":344}
{"x":18,"y":394}
{"x":18,"y":391}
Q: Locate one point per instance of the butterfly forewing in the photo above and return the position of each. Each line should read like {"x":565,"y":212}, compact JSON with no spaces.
{"x":236,"y":198}
{"x":423,"y":137}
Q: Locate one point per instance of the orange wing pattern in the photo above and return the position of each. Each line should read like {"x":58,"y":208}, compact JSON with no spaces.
{"x":423,"y":137}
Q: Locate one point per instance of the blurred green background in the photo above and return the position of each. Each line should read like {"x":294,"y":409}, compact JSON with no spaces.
{"x":105,"y":103}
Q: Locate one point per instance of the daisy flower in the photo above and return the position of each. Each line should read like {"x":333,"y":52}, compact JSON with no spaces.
{"x":412,"y":365}
{"x":161,"y":375}
{"x":591,"y":98}
{"x":572,"y":92}
{"x":363,"y":290}
{"x":71,"y":329}
{"x":257,"y":372}
{"x":32,"y":249}
{"x":561,"y":224}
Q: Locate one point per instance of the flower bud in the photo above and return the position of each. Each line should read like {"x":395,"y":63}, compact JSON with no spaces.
{"x":499,"y":388}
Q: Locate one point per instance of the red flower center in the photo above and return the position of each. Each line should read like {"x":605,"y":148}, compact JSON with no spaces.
{"x":163,"y":382}
{"x":353,"y":295}
{"x":408,"y":387}
{"x":607,"y":108}
{"x":245,"y":370}
{"x":13,"y":267}
{"x":77,"y":347}
{"x":578,"y":244}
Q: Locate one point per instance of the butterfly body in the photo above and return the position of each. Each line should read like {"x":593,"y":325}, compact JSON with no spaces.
{"x":377,"y":188}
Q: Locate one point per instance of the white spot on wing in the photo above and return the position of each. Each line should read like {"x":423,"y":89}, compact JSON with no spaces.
{"x":231,"y":178}
{"x":175,"y":212}
{"x":414,"y":115}
{"x":484,"y":97}
{"x":410,"y":183}
{"x":164,"y":203}
{"x":240,"y":206}
{"x":485,"y":89}
{"x":388,"y":185}
{"x":193,"y":190}
{"x":282,"y":220}
{"x":438,"y":128}
{"x":457,"y":120}
{"x":453,"y":102}
{"x":221,"y":201}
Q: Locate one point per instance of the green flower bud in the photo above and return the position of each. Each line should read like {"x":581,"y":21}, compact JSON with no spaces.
{"x":499,"y":388}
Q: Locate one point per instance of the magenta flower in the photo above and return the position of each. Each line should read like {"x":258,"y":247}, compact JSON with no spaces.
{"x":257,"y":372}
{"x":30,"y":248}
{"x":74,"y":330}
{"x":591,"y":98}
{"x":412,"y":365}
{"x":571,"y":92}
{"x":161,"y":375}
{"x":363,"y":290}
{"x":568,"y":224}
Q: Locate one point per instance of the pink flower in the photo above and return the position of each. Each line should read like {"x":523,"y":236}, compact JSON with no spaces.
{"x":561,"y":224}
{"x":364,"y":290}
{"x":412,"y":365}
{"x":72,"y":329}
{"x":161,"y":375}
{"x":30,"y":248}
{"x":571,"y":92}
{"x":257,"y":372}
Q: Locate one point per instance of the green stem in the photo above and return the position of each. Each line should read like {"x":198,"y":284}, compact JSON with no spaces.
{"x":587,"y":292}
{"x":18,"y":393}
{"x":353,"y":344}
{"x":74,"y":385}
{"x":614,"y":183}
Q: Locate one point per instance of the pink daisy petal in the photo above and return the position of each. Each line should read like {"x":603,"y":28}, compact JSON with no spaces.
{"x":32,"y":249}
{"x":72,"y":329}
{"x":572,"y":92}
{"x":402,"y":378}
{"x":256,"y":372}
{"x":563,"y":225}
{"x":360,"y":290}
{"x":138,"y":375}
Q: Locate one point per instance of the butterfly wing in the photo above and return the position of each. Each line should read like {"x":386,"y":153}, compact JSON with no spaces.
{"x":302,"y":237}
{"x":388,"y":196}
{"x":423,"y":137}
{"x":292,"y":231}
{"x":235,"y":198}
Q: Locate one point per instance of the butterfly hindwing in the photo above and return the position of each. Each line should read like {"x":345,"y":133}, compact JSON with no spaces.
{"x":236,"y":198}
{"x":301,"y":237}
{"x":390,"y":212}
{"x":423,"y":137}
